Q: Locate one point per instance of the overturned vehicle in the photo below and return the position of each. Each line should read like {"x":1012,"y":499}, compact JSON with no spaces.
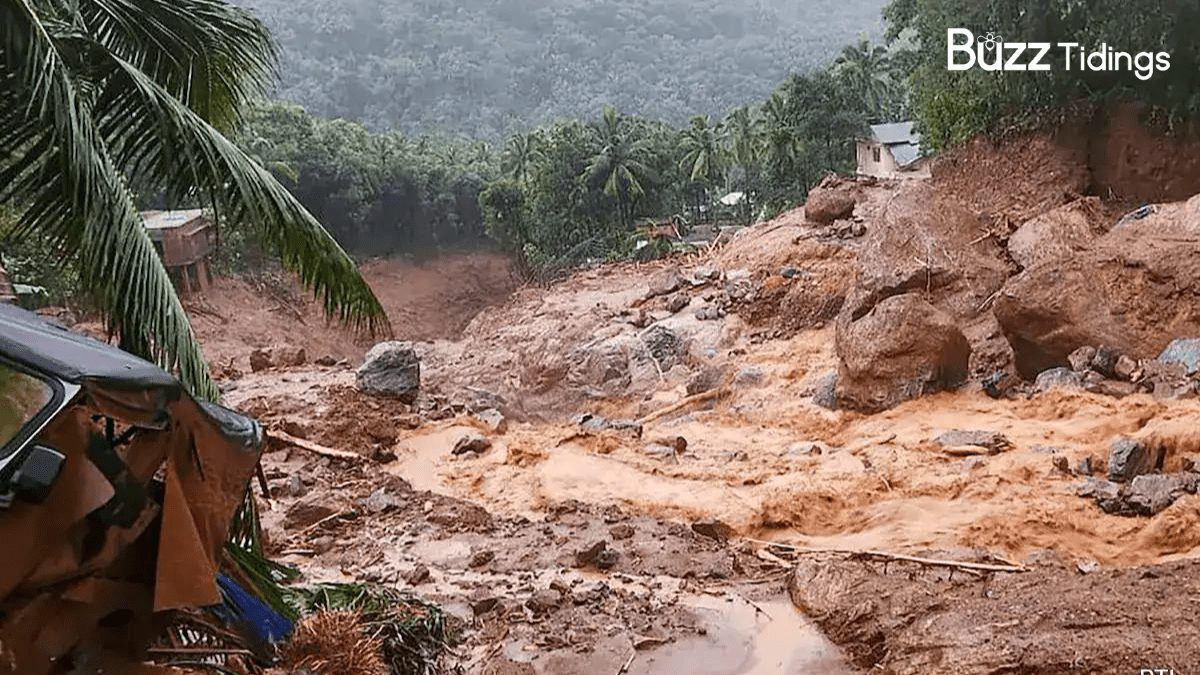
{"x":117,"y":490}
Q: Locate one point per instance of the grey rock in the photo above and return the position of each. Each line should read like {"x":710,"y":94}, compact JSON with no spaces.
{"x":713,"y":529}
{"x":1105,"y":361}
{"x":1081,"y":359}
{"x":994,"y":441}
{"x":323,"y":544}
{"x":494,"y":420}
{"x":1057,"y":378}
{"x":391,"y":369}
{"x":707,"y":313}
{"x":544,"y":601}
{"x":805,"y":449}
{"x":1125,"y":367}
{"x":296,"y":486}
{"x":598,"y":423}
{"x":327,"y":361}
{"x":789,"y":272}
{"x":1085,"y":466}
{"x":1148,"y":495}
{"x":471,"y":442}
{"x":663,"y":282}
{"x":749,"y":376}
{"x":1128,"y":458}
{"x":1098,"y":488}
{"x":825,"y":393}
{"x":659,"y":450}
{"x":677,"y":302}
{"x":1185,"y":351}
{"x":664,"y":346}
{"x":380,"y":501}
{"x":706,"y":379}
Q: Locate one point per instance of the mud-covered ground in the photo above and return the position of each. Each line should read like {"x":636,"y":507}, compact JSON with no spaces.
{"x":686,"y":547}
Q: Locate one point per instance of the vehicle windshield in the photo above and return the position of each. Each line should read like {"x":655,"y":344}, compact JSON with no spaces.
{"x":22,"y":397}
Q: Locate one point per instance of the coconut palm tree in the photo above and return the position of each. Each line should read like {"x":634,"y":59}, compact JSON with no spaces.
{"x":97,"y":95}
{"x":867,"y":70}
{"x":520,"y":155}
{"x":621,"y":163}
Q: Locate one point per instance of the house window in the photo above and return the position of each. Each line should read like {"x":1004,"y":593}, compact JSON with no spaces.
{"x":875,"y":154}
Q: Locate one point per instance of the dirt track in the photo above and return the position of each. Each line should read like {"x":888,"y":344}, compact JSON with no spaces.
{"x":500,"y":534}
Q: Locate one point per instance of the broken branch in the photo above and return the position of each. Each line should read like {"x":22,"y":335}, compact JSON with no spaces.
{"x":676,"y":407}
{"x":931,"y":562}
{"x":310,"y":446}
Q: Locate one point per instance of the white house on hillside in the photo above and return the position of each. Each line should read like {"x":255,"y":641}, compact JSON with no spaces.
{"x":892,"y":151}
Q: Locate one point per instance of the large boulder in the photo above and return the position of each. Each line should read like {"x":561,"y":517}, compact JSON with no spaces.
{"x":924,"y":242}
{"x":832,"y":200}
{"x":391,"y":369}
{"x":1131,"y":290}
{"x":1058,"y":233}
{"x":903,"y":348}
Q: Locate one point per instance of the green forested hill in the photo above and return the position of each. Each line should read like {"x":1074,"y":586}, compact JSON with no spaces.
{"x":483,"y":67}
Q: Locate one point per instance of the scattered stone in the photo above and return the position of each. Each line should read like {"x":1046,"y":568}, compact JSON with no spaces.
{"x":1085,"y":467}
{"x":260,"y":359}
{"x":713,"y":529}
{"x":1128,"y":458}
{"x":544,"y":601}
{"x":391,"y":369}
{"x":1125,"y":367}
{"x":706,"y":379}
{"x":598,"y":555}
{"x":1149,"y":494}
{"x":1105,"y":361}
{"x":1081,"y":359}
{"x":677,"y":302}
{"x":707,"y":313}
{"x":664,"y":346}
{"x":494,"y":420}
{"x":659,"y":450}
{"x":825,"y":391}
{"x":327,"y":361}
{"x":1087,"y":566}
{"x":664,"y":281}
{"x":598,"y":423}
{"x":408,"y":421}
{"x":1185,"y":351}
{"x":749,"y":376}
{"x":1098,"y":489}
{"x":806,"y":449}
{"x":289,"y":356}
{"x":956,"y":438}
{"x":484,"y":605}
{"x":472,"y":441}
{"x":322,"y":544}
{"x":384,"y":455}
{"x":380,"y":501}
{"x":296,"y":486}
{"x":304,"y":514}
{"x":621,"y":531}
{"x":481,"y":558}
{"x":788,"y":272}
{"x":1061,"y":464}
{"x":417,"y":576}
{"x":1057,"y":378}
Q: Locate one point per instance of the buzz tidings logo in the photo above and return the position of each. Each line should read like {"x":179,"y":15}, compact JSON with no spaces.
{"x":992,"y":53}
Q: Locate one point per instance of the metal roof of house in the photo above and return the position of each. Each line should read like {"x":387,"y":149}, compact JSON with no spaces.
{"x":165,"y":220}
{"x":902,"y":142}
{"x":897,"y":132}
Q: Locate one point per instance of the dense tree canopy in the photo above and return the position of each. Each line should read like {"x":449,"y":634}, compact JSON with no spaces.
{"x":953,"y":105}
{"x":480,"y":68}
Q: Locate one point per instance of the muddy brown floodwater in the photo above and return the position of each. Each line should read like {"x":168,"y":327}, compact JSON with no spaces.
{"x":562,"y":548}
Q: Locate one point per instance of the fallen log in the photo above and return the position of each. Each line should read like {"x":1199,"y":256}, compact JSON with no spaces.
{"x":310,"y":446}
{"x":676,"y":407}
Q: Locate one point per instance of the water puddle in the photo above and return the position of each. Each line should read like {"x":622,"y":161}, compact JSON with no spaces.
{"x":742,"y":640}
